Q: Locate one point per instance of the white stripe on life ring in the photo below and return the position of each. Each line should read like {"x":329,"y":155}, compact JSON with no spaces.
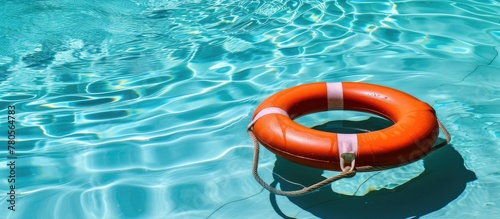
{"x":267,"y":111}
{"x":335,"y":96}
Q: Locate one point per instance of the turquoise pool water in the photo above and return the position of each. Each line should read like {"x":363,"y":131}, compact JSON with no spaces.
{"x":139,"y":108}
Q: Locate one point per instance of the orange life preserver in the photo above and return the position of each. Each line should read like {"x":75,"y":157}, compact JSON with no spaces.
{"x":411,"y":137}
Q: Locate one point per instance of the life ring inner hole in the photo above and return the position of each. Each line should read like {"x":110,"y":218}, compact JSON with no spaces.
{"x":344,"y":121}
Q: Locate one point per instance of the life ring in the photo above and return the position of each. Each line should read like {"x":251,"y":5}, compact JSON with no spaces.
{"x":411,"y":137}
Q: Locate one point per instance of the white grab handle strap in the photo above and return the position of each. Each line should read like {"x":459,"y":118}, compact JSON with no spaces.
{"x":348,"y":149}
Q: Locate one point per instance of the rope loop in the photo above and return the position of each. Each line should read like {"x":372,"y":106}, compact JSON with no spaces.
{"x":347,"y":171}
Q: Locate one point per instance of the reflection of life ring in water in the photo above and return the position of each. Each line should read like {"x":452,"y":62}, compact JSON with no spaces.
{"x":411,"y":137}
